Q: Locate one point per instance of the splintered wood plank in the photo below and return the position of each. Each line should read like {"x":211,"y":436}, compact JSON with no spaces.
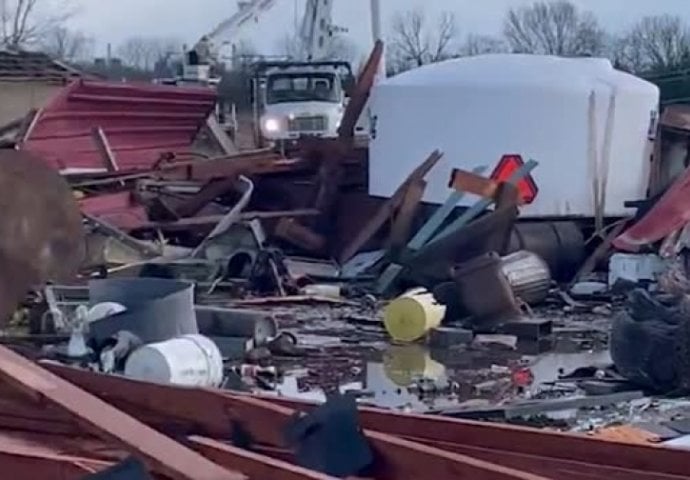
{"x":160,"y":453}
{"x":212,"y":413}
{"x":388,"y":208}
{"x":256,"y":466}
{"x":402,"y":225}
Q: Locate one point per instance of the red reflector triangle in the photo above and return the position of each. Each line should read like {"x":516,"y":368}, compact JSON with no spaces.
{"x":508,"y":165}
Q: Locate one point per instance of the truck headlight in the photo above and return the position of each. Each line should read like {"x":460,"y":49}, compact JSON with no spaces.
{"x":272,"y":125}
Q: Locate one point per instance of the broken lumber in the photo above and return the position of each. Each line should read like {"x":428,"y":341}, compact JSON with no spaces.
{"x":160,"y":453}
{"x":387,"y":209}
{"x":216,"y":414}
{"x":470,"y":182}
{"x":256,"y":466}
{"x":402,"y":225}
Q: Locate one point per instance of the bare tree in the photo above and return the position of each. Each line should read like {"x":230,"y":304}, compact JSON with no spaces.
{"x":553,"y":28}
{"x":339,"y":48}
{"x":132,"y":51}
{"x":67,"y":45}
{"x":144,"y":52}
{"x":482,"y":44}
{"x":414,"y":43}
{"x":655,"y":43}
{"x":24,"y":22}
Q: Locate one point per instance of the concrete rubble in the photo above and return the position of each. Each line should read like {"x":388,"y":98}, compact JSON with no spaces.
{"x":248,"y":314}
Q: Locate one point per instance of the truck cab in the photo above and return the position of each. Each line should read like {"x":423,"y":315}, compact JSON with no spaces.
{"x":294,"y":100}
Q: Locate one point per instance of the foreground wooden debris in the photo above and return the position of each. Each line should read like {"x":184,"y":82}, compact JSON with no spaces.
{"x":61,"y":422}
{"x":407,"y":446}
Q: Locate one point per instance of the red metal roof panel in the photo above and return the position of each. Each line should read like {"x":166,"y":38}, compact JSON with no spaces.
{"x":140,"y":121}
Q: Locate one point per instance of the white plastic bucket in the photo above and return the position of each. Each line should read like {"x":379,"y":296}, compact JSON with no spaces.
{"x":189,"y":360}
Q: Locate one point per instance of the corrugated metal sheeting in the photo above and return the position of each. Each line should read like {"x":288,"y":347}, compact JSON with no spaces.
{"x":140,"y":122}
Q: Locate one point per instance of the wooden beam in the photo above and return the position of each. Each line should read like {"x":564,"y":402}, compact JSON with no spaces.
{"x":103,"y":147}
{"x":387,"y":209}
{"x":254,"y":465}
{"x":551,"y":467}
{"x":206,"y":195}
{"x":211,"y":220}
{"x":599,"y":252}
{"x":223,"y":139}
{"x":27,"y":126}
{"x":360,"y":95}
{"x":213,"y":413}
{"x":402,"y":225}
{"x":159,"y":452}
{"x":25,"y":465}
{"x":469,"y":182}
{"x":290,"y":230}
{"x":455,"y":435}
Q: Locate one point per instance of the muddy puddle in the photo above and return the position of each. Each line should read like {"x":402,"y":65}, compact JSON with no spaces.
{"x":346,"y":350}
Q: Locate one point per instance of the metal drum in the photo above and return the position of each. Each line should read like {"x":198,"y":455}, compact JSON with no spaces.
{"x":528,"y":275}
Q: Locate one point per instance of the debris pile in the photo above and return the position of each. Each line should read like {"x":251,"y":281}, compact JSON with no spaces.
{"x":184,"y":294}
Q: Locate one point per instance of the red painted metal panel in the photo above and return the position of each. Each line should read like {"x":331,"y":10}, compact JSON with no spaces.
{"x":671,"y":212}
{"x":140,"y":121}
{"x":118,"y":209}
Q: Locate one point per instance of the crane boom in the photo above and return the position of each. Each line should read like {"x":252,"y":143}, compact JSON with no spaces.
{"x":206,"y":49}
{"x":248,"y":11}
{"x":316,"y":35}
{"x":317,"y":29}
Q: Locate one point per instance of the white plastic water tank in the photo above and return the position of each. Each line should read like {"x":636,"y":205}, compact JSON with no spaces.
{"x":189,"y":360}
{"x":550,"y":109}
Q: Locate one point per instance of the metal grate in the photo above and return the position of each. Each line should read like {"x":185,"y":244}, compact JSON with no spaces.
{"x":308,"y":124}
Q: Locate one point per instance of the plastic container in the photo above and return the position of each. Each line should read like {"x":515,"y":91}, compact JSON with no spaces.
{"x":190,"y":360}
{"x":477,"y":109}
{"x":323,"y":290}
{"x":410,"y":316}
{"x":635,"y":267}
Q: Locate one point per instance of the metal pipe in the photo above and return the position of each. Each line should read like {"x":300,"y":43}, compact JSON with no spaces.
{"x":377,"y":34}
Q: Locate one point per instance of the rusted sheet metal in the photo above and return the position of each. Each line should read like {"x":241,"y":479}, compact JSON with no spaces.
{"x":669,"y":213}
{"x":119,"y":209}
{"x":214,"y":413}
{"x":41,"y":233}
{"x":141,"y":121}
{"x":161,"y":453}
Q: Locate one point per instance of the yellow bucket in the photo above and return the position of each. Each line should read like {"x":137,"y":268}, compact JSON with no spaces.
{"x":410,"y":316}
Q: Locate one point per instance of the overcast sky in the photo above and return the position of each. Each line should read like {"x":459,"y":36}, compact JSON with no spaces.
{"x":114,"y":20}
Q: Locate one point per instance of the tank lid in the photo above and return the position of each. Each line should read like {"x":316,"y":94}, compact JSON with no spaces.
{"x":514,"y":69}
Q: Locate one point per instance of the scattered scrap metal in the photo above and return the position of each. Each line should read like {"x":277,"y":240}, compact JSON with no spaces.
{"x":183,"y":243}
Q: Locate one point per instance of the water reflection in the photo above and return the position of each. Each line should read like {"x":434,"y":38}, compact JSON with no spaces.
{"x":394,"y":381}
{"x":413,"y":378}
